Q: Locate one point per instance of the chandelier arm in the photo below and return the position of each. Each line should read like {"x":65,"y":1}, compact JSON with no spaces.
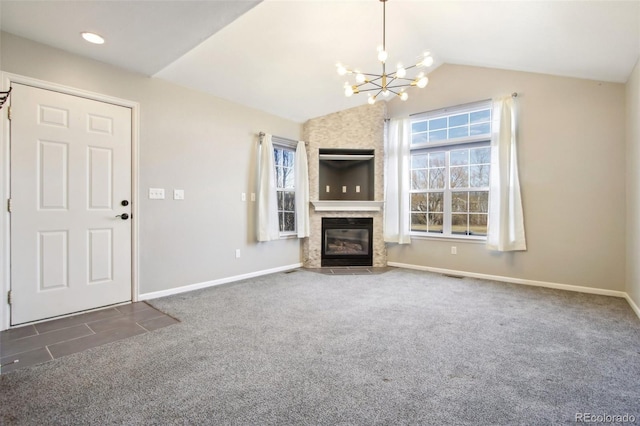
{"x":406,"y":79}
{"x":399,"y":86}
{"x":370,"y":90}
{"x":374,"y":84}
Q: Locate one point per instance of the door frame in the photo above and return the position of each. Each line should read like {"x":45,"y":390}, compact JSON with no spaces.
{"x":6,"y":79}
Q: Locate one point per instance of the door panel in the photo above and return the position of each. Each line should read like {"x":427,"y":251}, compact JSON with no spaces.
{"x":70,"y":170}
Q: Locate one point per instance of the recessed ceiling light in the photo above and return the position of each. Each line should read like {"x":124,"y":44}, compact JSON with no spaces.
{"x":93,"y":38}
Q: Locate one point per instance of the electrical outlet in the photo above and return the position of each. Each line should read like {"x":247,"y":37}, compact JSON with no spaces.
{"x":344,"y":189}
{"x":237,"y":253}
{"x":156,"y":193}
{"x":357,"y":188}
{"x":178,"y":194}
{"x":454,"y":250}
{"x":243,"y":197}
{"x":253,"y":196}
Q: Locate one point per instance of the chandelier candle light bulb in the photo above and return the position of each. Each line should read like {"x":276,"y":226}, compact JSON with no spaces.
{"x":385,"y":84}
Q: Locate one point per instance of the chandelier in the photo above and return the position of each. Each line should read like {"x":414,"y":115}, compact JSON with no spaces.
{"x":386,"y":83}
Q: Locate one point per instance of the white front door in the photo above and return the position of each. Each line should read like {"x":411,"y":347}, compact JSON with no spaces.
{"x":70,"y":189}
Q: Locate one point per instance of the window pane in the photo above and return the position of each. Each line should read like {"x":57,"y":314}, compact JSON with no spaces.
{"x":481,"y":155}
{"x":418,"y":222}
{"x":279,"y":177}
{"x":419,"y":161}
{"x":459,"y":157}
{"x":459,"y":223}
{"x":481,"y":116}
{"x":418,"y":138}
{"x":277,"y":154}
{"x":419,"y":202}
{"x":458,"y":132}
{"x":438,"y":123}
{"x":419,"y":126}
{"x":459,"y":177}
{"x":436,"y":159}
{"x":438,"y":135}
{"x":480,"y":129}
{"x":289,"y":158}
{"x":289,"y":177}
{"x":419,"y":179}
{"x":458,"y":120}
{"x":459,"y":201}
{"x":479,"y":176}
{"x":280,"y":201}
{"x":478,"y":224}
{"x":435,"y":222}
{"x":289,"y":222}
{"x":436,"y":178}
{"x":436,"y":200}
{"x":281,"y":218}
{"x":479,"y":201}
{"x":289,"y":201}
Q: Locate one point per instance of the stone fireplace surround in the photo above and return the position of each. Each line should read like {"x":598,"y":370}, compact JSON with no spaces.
{"x":356,"y":128}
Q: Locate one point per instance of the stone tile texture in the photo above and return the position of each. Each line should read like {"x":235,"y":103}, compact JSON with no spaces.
{"x":356,"y":128}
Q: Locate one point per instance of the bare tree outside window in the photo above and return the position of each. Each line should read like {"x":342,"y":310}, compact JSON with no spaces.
{"x":285,"y":185}
{"x":450,"y":181}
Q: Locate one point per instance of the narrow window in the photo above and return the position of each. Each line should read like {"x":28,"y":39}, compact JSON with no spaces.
{"x":285,"y":186}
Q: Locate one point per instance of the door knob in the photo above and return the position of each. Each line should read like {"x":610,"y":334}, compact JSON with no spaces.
{"x":124,"y":203}
{"x":123,"y":216}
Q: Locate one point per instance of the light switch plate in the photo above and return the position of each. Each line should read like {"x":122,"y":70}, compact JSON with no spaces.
{"x":178,"y":194}
{"x":156,"y":193}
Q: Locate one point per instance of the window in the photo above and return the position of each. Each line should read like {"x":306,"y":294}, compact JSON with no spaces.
{"x":450,"y":165}
{"x":285,"y":186}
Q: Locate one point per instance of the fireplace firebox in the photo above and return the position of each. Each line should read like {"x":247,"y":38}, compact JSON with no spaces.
{"x":347,"y":241}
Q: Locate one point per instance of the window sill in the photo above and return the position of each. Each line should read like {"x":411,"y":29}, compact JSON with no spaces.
{"x":288,"y":236}
{"x":473,"y":240}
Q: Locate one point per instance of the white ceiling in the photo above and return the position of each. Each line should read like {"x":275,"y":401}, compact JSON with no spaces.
{"x":279,"y":56}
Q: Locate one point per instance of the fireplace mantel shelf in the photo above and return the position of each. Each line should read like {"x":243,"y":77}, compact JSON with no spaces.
{"x":347,"y":205}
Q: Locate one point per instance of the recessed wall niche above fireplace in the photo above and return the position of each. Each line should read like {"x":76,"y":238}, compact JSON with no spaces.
{"x":346,"y":174}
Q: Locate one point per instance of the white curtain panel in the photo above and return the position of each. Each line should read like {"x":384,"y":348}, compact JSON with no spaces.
{"x":268,"y":227}
{"x":302,"y":191}
{"x":506,"y":220}
{"x":397,"y":215}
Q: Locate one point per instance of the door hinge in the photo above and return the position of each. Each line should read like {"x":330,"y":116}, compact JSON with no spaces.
{"x":10,"y":297}
{"x":9,"y":205}
{"x":9,"y":113}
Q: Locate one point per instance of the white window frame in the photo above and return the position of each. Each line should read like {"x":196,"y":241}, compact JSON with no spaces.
{"x":447,"y":146}
{"x":285,"y":146}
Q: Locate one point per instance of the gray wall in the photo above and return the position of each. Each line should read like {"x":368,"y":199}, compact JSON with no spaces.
{"x":188,"y":140}
{"x":633,"y":185}
{"x":572,"y":171}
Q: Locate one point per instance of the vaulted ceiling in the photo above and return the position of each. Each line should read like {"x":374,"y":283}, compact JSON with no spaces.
{"x":279,"y":56}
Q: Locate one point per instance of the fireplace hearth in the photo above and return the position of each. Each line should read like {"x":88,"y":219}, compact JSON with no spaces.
{"x":347,"y":241}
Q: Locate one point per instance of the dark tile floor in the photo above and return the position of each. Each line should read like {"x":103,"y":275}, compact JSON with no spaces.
{"x":350,"y":270}
{"x":33,"y":344}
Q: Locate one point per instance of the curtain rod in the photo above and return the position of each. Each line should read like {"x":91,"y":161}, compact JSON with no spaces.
{"x":513,"y":95}
{"x":292,"y":141}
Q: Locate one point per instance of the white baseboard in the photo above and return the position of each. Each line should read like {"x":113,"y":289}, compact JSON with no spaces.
{"x":558,"y":286}
{"x":198,"y":286}
{"x":632,"y":304}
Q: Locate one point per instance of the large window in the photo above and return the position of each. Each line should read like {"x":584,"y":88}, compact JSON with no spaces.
{"x":285,"y":185}
{"x":450,"y":164}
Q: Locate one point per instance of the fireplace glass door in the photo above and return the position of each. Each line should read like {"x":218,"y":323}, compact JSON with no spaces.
{"x":347,"y":241}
